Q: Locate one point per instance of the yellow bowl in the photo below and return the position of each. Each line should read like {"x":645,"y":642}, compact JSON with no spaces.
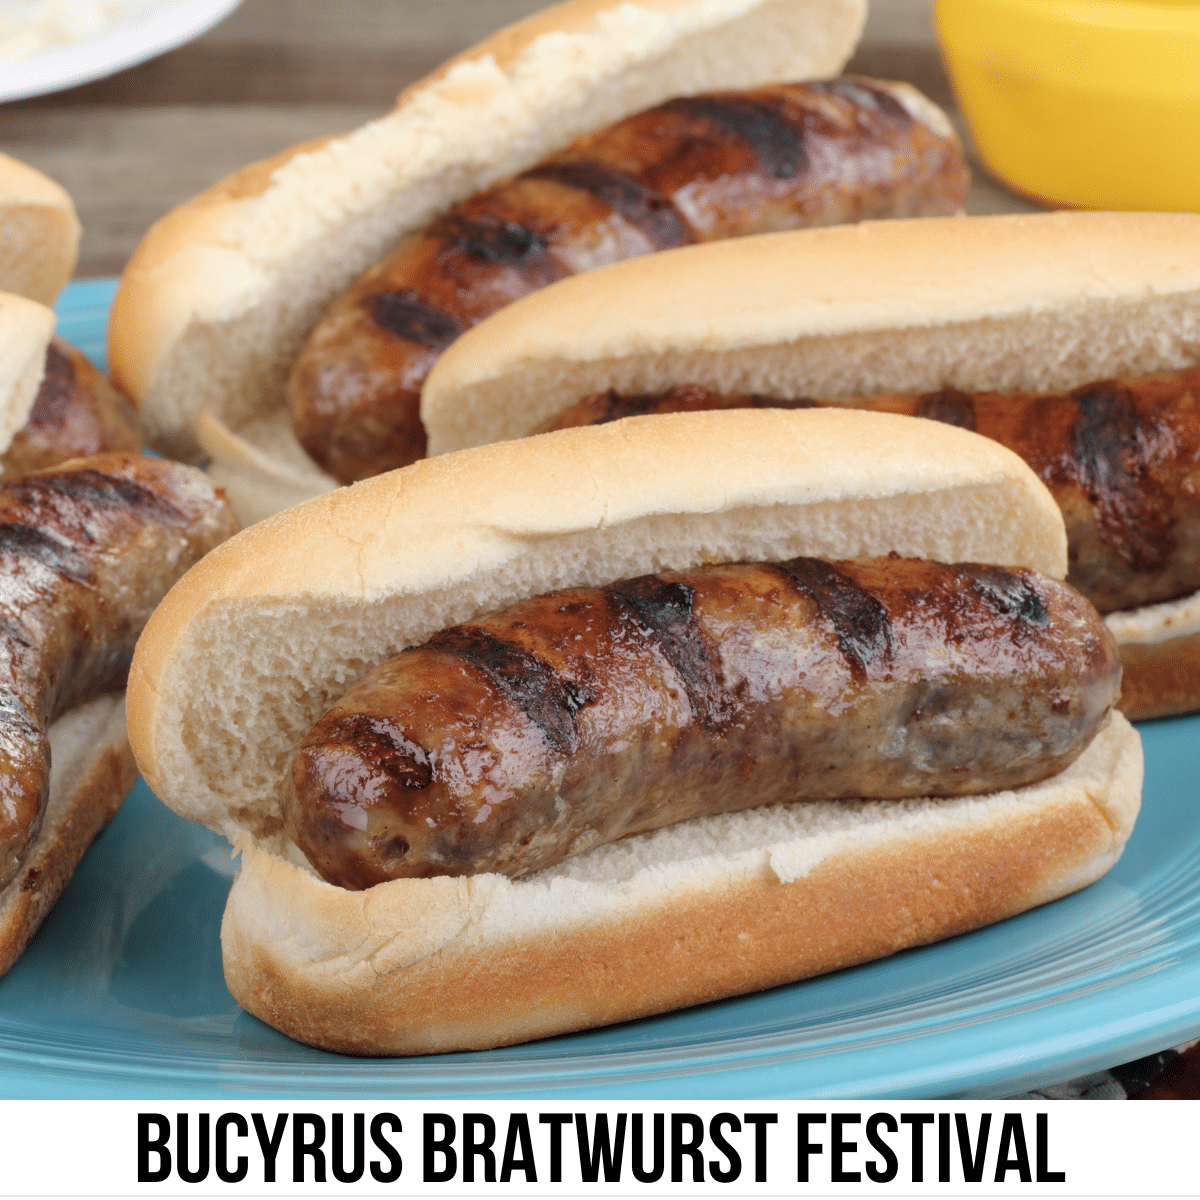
{"x":1094,"y":103}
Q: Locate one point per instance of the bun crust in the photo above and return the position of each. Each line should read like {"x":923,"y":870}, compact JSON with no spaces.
{"x":268,"y":629}
{"x":215,"y":304}
{"x":39,"y":233}
{"x":93,"y":772}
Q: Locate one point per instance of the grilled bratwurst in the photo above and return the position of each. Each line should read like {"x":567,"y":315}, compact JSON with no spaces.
{"x":583,"y":716}
{"x":86,"y":553}
{"x":696,"y":169}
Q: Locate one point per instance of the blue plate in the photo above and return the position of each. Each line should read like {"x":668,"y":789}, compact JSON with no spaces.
{"x":121,"y":993}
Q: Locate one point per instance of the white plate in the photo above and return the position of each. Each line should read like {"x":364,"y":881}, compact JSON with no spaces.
{"x":151,"y":28}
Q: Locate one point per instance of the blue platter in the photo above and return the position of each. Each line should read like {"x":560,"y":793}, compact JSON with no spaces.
{"x":121,"y":993}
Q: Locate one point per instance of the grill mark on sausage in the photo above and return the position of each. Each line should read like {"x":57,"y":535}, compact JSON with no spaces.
{"x":53,"y":553}
{"x":643,"y":207}
{"x":776,"y":142}
{"x":404,"y":314}
{"x":1012,"y":594}
{"x":505,"y":243}
{"x":384,"y":747}
{"x":1132,"y":516}
{"x":94,"y":490}
{"x":549,"y":700}
{"x":949,"y":406}
{"x":860,"y":620}
{"x":664,"y":610}
{"x":862,"y":95}
{"x":13,"y":631}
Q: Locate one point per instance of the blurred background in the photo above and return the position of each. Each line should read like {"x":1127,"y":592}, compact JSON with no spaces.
{"x":276,"y":72}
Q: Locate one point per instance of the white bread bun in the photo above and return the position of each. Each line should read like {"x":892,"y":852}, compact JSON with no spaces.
{"x":25,"y":331}
{"x":259,"y":638}
{"x":92,"y":774}
{"x":1025,"y":303}
{"x":1007,"y":303}
{"x":39,"y":233}
{"x":216,"y":302}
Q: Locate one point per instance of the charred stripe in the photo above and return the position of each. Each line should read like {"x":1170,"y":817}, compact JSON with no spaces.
{"x":664,"y":610}
{"x":549,"y":700}
{"x":16,"y":718}
{"x":1013,"y":594}
{"x":505,"y":243}
{"x":643,"y":207}
{"x":53,"y":553}
{"x":381,"y":745}
{"x":949,"y":406}
{"x":92,"y":489}
{"x":405,"y":315}
{"x":862,"y":95}
{"x":1105,"y":436}
{"x":1132,"y":516}
{"x":860,"y":620}
{"x":776,"y":142}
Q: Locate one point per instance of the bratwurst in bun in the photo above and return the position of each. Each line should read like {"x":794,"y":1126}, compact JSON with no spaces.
{"x":696,"y":169}
{"x":577,"y":634}
{"x":1072,"y":338}
{"x":218,"y":299}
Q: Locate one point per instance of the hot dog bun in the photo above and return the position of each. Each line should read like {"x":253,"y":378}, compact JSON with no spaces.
{"x":1024,"y":303}
{"x":215,"y":304}
{"x":25,"y":331}
{"x":39,"y":233}
{"x":257,"y":640}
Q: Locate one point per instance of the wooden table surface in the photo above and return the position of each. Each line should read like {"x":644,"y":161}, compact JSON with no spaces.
{"x":277,"y":72}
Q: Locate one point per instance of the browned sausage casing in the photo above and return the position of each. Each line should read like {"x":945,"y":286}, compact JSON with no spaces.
{"x":77,"y":411}
{"x":692,"y":170}
{"x":1121,"y":457}
{"x":86,"y":553}
{"x":586,"y":715}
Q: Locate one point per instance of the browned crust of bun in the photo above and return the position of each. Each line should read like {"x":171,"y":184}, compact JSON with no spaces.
{"x":39,"y":233}
{"x":73,"y":820}
{"x":1160,"y":679}
{"x":720,"y":938}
